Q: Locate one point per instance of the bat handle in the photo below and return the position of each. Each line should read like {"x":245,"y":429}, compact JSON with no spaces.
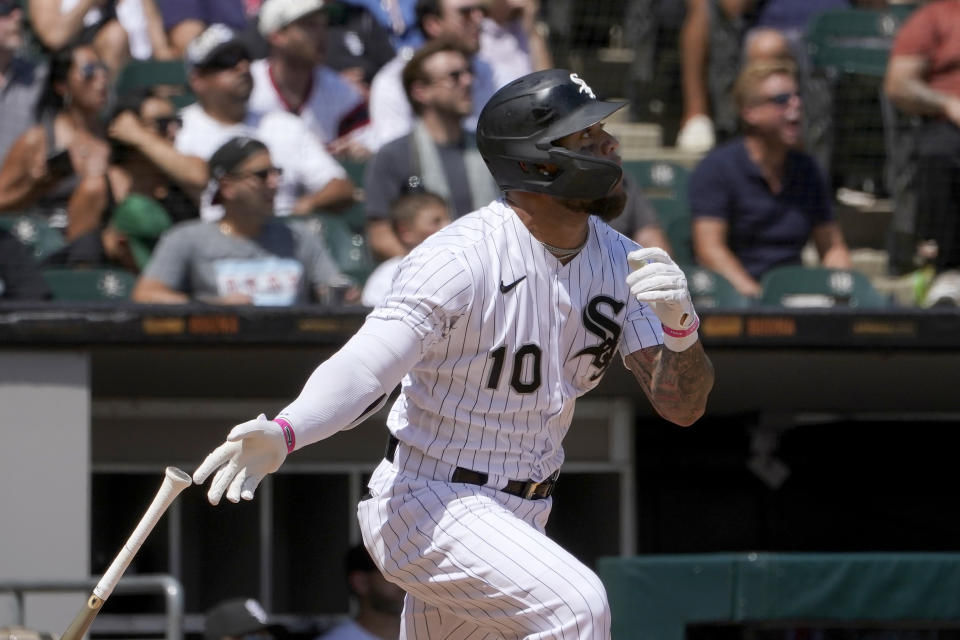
{"x":174,"y":482}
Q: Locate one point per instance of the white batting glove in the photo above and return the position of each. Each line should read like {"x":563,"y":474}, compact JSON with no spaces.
{"x":252,"y":450}
{"x":656,"y":279}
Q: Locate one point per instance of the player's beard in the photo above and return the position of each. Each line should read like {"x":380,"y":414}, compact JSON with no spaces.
{"x":606,"y":208}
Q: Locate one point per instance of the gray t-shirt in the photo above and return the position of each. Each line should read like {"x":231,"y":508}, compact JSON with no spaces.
{"x":284,"y":265}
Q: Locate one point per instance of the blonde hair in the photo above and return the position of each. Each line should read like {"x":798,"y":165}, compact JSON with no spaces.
{"x":753,"y":75}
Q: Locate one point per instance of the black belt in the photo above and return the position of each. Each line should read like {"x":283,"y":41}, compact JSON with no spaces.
{"x":526,"y":489}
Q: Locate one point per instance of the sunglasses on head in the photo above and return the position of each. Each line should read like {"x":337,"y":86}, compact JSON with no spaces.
{"x":225,"y":60}
{"x":781,"y":99}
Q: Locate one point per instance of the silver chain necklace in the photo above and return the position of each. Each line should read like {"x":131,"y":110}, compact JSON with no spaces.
{"x":559,"y":253}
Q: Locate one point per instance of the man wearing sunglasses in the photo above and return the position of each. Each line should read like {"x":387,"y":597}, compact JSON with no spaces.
{"x":438,"y":155}
{"x":219,"y":75}
{"x":758,"y":199}
{"x":20,"y":80}
{"x":248,"y":256}
{"x":458,"y":20}
{"x":294,"y":78}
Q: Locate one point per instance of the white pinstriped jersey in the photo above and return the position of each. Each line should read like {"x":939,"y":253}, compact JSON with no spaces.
{"x":510,"y":339}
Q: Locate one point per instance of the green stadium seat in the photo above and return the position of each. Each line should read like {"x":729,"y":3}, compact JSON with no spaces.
{"x":171,"y":75}
{"x":799,"y":286}
{"x":356,"y":215}
{"x":34,"y":232}
{"x":710,"y":290}
{"x":665,"y":185}
{"x":855,"y":40}
{"x":347,"y":247}
{"x":85,"y":285}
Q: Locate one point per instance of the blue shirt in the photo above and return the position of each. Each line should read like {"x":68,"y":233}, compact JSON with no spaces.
{"x":766,"y":229}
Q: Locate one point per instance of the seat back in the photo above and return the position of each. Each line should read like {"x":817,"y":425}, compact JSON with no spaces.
{"x":35,"y":233}
{"x":169,"y":77}
{"x":664,"y":184}
{"x":855,"y":40}
{"x":84,"y":285}
{"x":799,"y":286}
{"x":710,"y":290}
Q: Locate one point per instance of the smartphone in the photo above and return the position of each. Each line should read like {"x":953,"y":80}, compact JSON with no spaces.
{"x":59,"y":164}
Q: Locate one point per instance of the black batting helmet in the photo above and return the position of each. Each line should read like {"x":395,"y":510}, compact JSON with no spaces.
{"x":519,"y":124}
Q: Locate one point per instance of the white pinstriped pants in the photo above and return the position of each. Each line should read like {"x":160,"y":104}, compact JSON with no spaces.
{"x":475,"y":562}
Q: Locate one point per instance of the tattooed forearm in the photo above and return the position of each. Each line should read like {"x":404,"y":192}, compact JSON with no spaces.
{"x":676,"y":383}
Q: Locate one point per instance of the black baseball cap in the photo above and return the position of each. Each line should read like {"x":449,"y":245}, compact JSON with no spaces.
{"x":231,"y":155}
{"x":238,"y":617}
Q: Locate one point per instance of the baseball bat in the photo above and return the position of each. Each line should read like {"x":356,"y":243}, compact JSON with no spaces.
{"x":174,"y":482}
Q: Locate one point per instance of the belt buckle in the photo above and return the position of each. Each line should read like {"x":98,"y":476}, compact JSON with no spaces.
{"x":529,"y":491}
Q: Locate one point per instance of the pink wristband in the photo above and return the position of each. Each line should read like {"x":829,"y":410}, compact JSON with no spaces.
{"x":682,"y":333}
{"x":288,"y":435}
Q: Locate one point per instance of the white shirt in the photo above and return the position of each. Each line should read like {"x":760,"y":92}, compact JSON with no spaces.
{"x":307,"y":167}
{"x":509,"y":339}
{"x":331,"y":99}
{"x":378,"y":283}
{"x":131,"y":17}
{"x":506,"y":50}
{"x":390,"y":112}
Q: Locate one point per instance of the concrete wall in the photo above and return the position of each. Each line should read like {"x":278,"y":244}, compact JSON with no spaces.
{"x":44,"y":480}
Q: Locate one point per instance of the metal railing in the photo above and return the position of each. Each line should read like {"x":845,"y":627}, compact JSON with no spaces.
{"x":141,"y":584}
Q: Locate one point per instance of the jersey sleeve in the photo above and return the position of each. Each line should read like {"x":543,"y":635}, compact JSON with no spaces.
{"x":431,"y":290}
{"x":641,"y":328}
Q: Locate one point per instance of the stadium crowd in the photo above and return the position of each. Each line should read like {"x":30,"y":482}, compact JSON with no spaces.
{"x":276,"y":152}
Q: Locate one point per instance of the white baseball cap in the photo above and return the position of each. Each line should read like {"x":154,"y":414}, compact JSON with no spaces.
{"x":276,"y":14}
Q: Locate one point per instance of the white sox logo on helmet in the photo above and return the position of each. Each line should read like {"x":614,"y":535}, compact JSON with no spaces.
{"x":584,"y":87}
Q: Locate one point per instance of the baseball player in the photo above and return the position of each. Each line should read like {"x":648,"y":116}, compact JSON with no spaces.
{"x":494,"y":327}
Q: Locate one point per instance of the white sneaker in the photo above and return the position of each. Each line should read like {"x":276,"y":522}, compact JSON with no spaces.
{"x":697,"y":135}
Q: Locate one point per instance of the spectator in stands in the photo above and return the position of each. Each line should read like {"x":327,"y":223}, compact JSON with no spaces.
{"x":239,"y":619}
{"x":357,"y":45}
{"x":20,"y":79}
{"x":185,"y":20}
{"x":20,"y":277}
{"x":143,"y":130}
{"x":713,"y":39}
{"x":758,"y":199}
{"x":58,"y":24}
{"x":513,"y":40}
{"x":923,"y":80}
{"x":414,"y":217}
{"x":146,"y":173}
{"x":219,"y":76}
{"x":59,"y":166}
{"x":455,"y":20}
{"x":379,"y":602}
{"x":125,"y":242}
{"x":249,"y":256}
{"x":438,"y":155}
{"x":294,"y":78}
{"x":639,"y":220}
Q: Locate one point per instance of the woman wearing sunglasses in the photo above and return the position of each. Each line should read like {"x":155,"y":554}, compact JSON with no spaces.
{"x":59,"y":167}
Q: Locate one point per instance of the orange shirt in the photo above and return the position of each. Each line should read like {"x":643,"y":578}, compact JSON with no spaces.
{"x":933,"y":32}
